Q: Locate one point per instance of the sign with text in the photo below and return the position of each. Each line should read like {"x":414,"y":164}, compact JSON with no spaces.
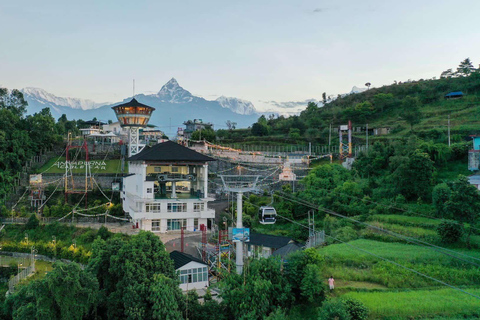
{"x":94,"y":164}
{"x":241,"y":234}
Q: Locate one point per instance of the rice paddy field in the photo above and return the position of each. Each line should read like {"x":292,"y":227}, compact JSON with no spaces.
{"x":420,"y":303}
{"x":393,"y":292}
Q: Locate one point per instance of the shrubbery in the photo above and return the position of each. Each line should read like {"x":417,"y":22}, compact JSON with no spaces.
{"x":450,"y":231}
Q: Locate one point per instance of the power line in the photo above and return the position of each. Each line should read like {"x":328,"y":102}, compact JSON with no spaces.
{"x":406,"y":238}
{"x":385,"y":259}
{"x":407,"y":268}
{"x":397,"y":208}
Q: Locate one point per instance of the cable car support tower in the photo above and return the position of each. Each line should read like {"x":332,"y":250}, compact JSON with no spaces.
{"x":239,"y":184}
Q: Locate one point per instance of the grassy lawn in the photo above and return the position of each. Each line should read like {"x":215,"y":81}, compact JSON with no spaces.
{"x":392,"y":251}
{"x":56,"y":165}
{"x":406,"y":220}
{"x":348,"y":264}
{"x":419,"y":303}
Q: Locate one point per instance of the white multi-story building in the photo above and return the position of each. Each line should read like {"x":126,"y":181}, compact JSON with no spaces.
{"x":167,"y":188}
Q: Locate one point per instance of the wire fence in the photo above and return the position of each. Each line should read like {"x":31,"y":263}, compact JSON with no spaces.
{"x":315,"y":240}
{"x":25,"y":273}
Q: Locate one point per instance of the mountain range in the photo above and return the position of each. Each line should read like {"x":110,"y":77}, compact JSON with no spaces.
{"x":173,"y":105}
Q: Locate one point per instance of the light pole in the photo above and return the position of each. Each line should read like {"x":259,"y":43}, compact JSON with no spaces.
{"x":54,"y":240}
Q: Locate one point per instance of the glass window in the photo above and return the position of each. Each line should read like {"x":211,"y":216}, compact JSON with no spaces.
{"x":176,"y":224}
{"x":153,"y":207}
{"x":177,"y":207}
{"x":149,"y":190}
{"x":198,"y":206}
{"x":155,"y":225}
{"x":183,"y":272}
{"x":174,"y":169}
{"x":194,"y":277}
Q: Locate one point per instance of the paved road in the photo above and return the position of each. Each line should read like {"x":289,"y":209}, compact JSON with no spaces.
{"x":191,"y":243}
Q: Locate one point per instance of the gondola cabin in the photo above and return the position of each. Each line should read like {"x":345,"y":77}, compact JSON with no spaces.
{"x":267,"y":215}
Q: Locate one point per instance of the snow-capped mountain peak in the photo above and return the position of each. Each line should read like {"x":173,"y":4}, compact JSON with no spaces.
{"x":172,"y":92}
{"x":46,"y":98}
{"x":237,"y":105}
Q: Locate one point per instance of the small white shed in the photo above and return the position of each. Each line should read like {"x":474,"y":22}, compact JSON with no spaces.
{"x":193,"y":272}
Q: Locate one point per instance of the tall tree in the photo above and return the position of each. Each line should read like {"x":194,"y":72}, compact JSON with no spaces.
{"x":67,"y":292}
{"x":411,"y":111}
{"x":126,"y":271}
{"x":463,"y":204}
{"x":465,"y":68}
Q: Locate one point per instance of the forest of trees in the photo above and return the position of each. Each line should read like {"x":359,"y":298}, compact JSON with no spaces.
{"x":24,"y":136}
{"x":134,"y":278}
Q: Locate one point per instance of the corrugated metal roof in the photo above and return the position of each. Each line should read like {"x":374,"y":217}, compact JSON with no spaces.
{"x":454,"y":93}
{"x":169,"y":151}
{"x":288,"y":249}
{"x":132,"y":103}
{"x":180,"y":259}
{"x":266,"y":240}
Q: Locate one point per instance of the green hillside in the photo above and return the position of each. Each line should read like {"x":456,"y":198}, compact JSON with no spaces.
{"x":417,"y":107}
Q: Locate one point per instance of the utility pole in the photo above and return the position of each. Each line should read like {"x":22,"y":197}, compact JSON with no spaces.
{"x":449,"y":130}
{"x":366,"y":134}
{"x":239,"y":244}
{"x":330,"y":137}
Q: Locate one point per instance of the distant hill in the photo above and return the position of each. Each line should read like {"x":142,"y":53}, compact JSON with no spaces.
{"x":420,"y":105}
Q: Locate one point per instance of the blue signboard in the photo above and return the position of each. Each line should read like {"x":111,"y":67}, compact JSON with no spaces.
{"x":241,"y":234}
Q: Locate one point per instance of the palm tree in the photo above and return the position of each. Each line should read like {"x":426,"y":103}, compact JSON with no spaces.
{"x":368,"y":84}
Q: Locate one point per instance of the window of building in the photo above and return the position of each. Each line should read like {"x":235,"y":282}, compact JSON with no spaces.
{"x":176,"y":224}
{"x":174,"y":169}
{"x":198,"y":206}
{"x":149,"y":190}
{"x":155,"y":225}
{"x":193,"y":275}
{"x":153,"y":207}
{"x":195,"y":223}
{"x":177,"y":207}
{"x":157,"y":169}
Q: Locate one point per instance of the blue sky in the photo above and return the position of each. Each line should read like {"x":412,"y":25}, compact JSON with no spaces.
{"x":254,"y":50}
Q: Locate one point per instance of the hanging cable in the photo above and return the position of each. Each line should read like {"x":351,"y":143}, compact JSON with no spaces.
{"x":382,"y":258}
{"x":406,"y":238}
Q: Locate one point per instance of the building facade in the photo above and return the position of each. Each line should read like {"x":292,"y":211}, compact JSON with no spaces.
{"x":167,"y":189}
{"x":195,"y":125}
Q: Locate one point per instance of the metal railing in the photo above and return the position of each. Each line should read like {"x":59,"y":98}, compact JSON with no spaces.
{"x":317,"y":239}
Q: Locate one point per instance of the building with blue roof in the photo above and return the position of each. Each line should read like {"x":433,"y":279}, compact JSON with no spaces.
{"x":454,"y":95}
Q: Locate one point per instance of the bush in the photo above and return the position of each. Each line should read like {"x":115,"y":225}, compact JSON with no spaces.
{"x":32,"y":222}
{"x":104,"y":233}
{"x":450,"y":231}
{"x":345,"y":234}
{"x":334,"y":309}
{"x":356,"y":309}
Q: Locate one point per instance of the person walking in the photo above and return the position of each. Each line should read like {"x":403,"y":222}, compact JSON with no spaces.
{"x":331,"y":283}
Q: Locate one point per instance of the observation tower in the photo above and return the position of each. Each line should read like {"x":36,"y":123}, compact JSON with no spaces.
{"x":133,"y":115}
